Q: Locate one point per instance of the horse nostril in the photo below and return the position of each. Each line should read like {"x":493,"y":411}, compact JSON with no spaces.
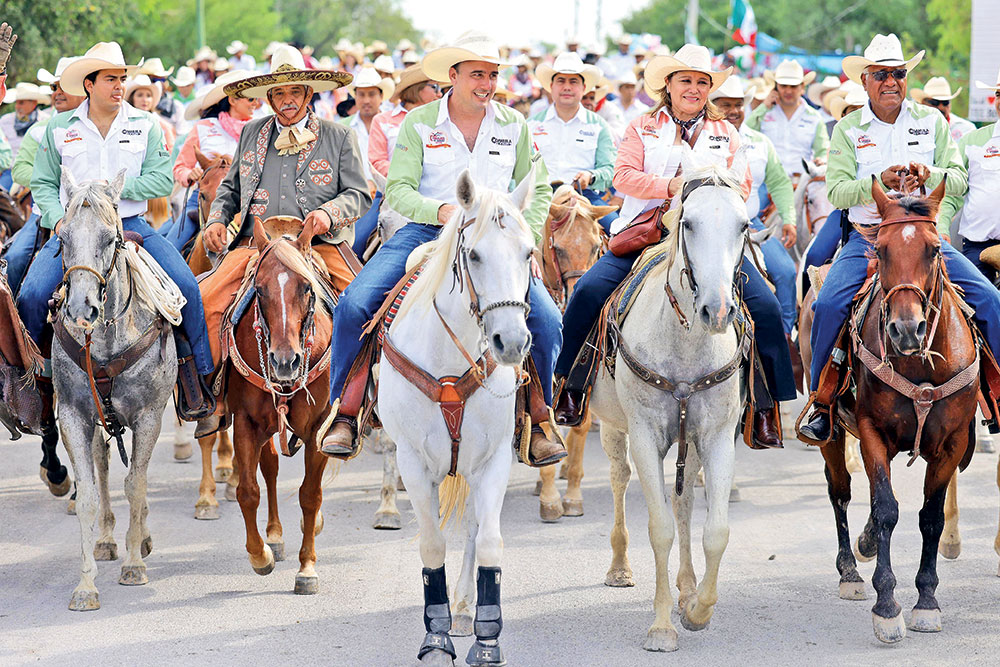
{"x":498,"y":343}
{"x":921,"y":328}
{"x":297,"y":361}
{"x":732,"y":313}
{"x":93,"y":314}
{"x":706,"y":315}
{"x":893,"y":330}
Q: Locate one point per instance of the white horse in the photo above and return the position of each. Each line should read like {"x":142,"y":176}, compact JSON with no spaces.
{"x":482,"y":257}
{"x":708,"y":240}
{"x":811,"y":206}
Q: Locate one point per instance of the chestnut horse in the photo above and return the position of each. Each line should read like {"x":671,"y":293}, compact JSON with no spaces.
{"x":916,"y":373}
{"x":213,"y":171}
{"x":278,"y":389}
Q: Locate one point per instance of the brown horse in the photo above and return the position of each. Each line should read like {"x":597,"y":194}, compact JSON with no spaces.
{"x":572,"y":240}
{"x":916,"y":373}
{"x":213,"y":171}
{"x":278,"y":389}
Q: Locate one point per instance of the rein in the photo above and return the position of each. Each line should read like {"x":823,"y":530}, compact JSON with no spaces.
{"x":557,"y":286}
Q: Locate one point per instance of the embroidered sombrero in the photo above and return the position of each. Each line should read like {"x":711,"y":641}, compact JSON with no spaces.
{"x":288,"y":68}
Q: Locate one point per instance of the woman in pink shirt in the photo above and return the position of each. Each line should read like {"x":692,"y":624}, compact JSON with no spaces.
{"x":144,"y":95}
{"x":646,"y":175}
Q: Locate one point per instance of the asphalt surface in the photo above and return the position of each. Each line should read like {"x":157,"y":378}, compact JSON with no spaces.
{"x":203,"y":604}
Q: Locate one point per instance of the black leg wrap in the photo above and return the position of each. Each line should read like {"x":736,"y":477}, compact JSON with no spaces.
{"x":489,"y":621}
{"x":437,"y":614}
{"x":485,"y":652}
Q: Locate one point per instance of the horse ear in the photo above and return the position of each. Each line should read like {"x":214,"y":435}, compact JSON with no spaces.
{"x":882,"y":200}
{"x":557,"y":211}
{"x":69,"y":184}
{"x":304,"y":240}
{"x":202,"y":159}
{"x":260,"y":237}
{"x":739,"y":167}
{"x":117,"y":185}
{"x":807,"y":166}
{"x":601,"y":211}
{"x":378,"y":178}
{"x":522,"y":193}
{"x":466,"y":190}
{"x":937,"y":194}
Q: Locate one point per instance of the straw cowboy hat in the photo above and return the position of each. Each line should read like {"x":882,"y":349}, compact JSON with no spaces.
{"x":369,"y":77}
{"x":271,"y":48}
{"x":733,"y":87}
{"x":48,"y":78}
{"x":855,"y":97}
{"x":985,"y":86}
{"x":27,"y":91}
{"x":410,"y":58}
{"x":817,"y":89}
{"x":288,"y":68}
{"x":689,"y":58}
{"x":789,"y":73}
{"x":471,"y":45}
{"x":185,"y":77}
{"x":378,"y":45}
{"x":411,"y":76}
{"x":502,"y":91}
{"x":627,"y":79}
{"x":235,"y":47}
{"x":523,"y":61}
{"x":153,"y":67}
{"x":884,"y":51}
{"x":103,"y":55}
{"x":761,"y":88}
{"x":567,"y":63}
{"x":601,"y":90}
{"x":202,"y":54}
{"x":141,"y":81}
{"x":936,"y":88}
{"x":845,"y":88}
{"x":221,"y":65}
{"x":213,"y":94}
{"x":384,"y":63}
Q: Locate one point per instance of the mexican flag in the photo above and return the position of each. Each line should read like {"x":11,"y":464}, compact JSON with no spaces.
{"x":743,"y":23}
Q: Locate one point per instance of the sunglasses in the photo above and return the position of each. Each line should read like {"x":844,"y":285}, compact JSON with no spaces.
{"x":939,"y":103}
{"x":883,"y":74}
{"x":435,"y":87}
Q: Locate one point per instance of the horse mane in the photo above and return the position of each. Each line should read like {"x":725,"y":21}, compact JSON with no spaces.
{"x":910,"y":204}
{"x":309,"y":269}
{"x":438,"y":256}
{"x":92,"y":194}
{"x":566,"y":195}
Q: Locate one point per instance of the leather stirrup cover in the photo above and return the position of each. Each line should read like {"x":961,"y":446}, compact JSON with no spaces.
{"x":989,"y":381}
{"x":356,"y":386}
{"x":536,"y":398}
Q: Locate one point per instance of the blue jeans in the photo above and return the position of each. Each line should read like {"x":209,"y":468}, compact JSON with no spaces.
{"x":594,"y":288}
{"x":20,"y":251}
{"x":179,"y":232}
{"x":46,"y":271}
{"x":833,"y":304}
{"x":781,"y":268}
{"x":6,"y":180}
{"x":365,"y":225}
{"x":595,"y":199}
{"x":823,"y":246}
{"x":367,"y":291}
{"x":971,"y":250}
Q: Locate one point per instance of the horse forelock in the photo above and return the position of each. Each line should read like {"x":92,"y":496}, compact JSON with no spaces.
{"x":93,"y":195}
{"x":289,"y":256}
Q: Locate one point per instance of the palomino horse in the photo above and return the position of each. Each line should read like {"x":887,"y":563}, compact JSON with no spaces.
{"x":811,"y":206}
{"x":686,"y":388}
{"x":113,"y":366}
{"x":279,"y":387}
{"x":905,"y":402}
{"x":451,"y":415}
{"x":213,"y":171}
{"x":572,"y":240}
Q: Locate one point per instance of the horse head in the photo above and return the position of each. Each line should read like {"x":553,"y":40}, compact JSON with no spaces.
{"x":288,"y":291}
{"x":572,"y":240}
{"x":910,"y":266}
{"x":811,"y":203}
{"x":213,"y":171}
{"x":711,"y":235}
{"x":90,"y":238}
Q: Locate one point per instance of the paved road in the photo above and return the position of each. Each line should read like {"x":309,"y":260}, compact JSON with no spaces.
{"x":778,"y":602}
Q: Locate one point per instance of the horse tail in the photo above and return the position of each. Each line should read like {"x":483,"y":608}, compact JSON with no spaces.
{"x":452,"y":496}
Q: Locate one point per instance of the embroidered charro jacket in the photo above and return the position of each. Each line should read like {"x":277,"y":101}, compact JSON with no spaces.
{"x":326,"y":176}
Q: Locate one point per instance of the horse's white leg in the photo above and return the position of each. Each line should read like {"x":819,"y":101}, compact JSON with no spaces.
{"x":105,"y":549}
{"x":464,"y":598}
{"x":550,"y":507}
{"x":662,"y":635}
{"x":207,"y":507}
{"x":74,"y":436}
{"x":984,"y":439}
{"x":687,"y":582}
{"x":387,"y":516}
{"x":950,"y":545}
{"x":182,"y":440}
{"x":226,"y":464}
{"x":137,"y":540}
{"x":575,"y":441}
{"x":717,"y":453}
{"x":615,"y":444}
{"x":852,"y":454}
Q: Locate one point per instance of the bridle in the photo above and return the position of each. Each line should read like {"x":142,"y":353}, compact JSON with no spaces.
{"x":557,"y":279}
{"x":220,"y":163}
{"x":811,"y":220}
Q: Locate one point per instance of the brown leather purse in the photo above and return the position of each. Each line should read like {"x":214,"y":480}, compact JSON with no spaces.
{"x":647,"y":227}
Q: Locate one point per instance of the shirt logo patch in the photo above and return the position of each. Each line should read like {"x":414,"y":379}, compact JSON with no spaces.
{"x":587,"y":133}
{"x":540,"y":131}
{"x":864,"y":141}
{"x":501,"y":142}
{"x":437,"y":140}
{"x":991,"y":151}
{"x":132,"y":133}
{"x":719,"y":138}
{"x":918,"y":131}
{"x":650,"y":131}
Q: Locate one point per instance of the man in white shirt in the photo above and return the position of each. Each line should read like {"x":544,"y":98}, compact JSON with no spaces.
{"x":239,"y":58}
{"x":627,"y":101}
{"x":937,"y":93}
{"x":619,"y":63}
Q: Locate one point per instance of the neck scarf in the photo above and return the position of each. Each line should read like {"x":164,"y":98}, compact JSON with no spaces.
{"x":292,"y":140}
{"x":687,"y":125}
{"x":21,"y":126}
{"x":232,"y":125}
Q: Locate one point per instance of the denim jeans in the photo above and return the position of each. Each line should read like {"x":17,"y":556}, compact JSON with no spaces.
{"x":365,"y":225}
{"x":179,"y":232}
{"x":781,"y":268}
{"x":971,"y":250}
{"x":20,"y":251}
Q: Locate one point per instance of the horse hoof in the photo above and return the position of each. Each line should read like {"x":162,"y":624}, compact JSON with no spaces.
{"x":550,"y":512}
{"x":266,"y":560}
{"x":278,"y":550}
{"x":853,"y":590}
{"x":437,"y":658}
{"x":985,"y":447}
{"x":387,"y":521}
{"x":206,"y":512}
{"x":146,"y":547}
{"x":661,"y":641}
{"x":572,"y":507}
{"x":950,"y":550}
{"x":889,"y":630}
{"x":223,"y":474}
{"x":183,"y":451}
{"x":306,"y":585}
{"x":538,"y":488}
{"x":461,"y":625}
{"x":688,"y":623}
{"x":105,"y":551}
{"x":925,"y":620}
{"x":734,"y":495}
{"x":483,"y":655}
{"x":399,"y":484}
{"x":230,"y":492}
{"x":84,"y":601}
{"x":62,"y":488}
{"x":133,"y":575}
{"x":857,"y":552}
{"x":619,"y":578}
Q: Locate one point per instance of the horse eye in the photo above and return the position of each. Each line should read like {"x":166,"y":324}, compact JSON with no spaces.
{"x":687,"y":225}
{"x":473,"y":256}
{"x":746,"y":226}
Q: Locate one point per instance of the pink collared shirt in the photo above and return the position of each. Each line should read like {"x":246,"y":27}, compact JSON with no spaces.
{"x":382,"y":137}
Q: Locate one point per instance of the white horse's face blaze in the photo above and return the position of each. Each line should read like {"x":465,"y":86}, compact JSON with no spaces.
{"x":87,"y":240}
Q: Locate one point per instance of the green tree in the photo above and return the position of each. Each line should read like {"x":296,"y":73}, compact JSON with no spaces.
{"x":321,"y":23}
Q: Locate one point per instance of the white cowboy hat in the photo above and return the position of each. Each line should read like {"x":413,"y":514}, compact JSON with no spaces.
{"x":471,"y":45}
{"x":625,"y":39}
{"x":185,"y":77}
{"x":377,"y":45}
{"x":326,"y":62}
{"x":816,"y":90}
{"x":628,"y":78}
{"x":761,"y":88}
{"x":411,"y":76}
{"x":567,"y":63}
{"x":384,"y":63}
{"x":410,"y":58}
{"x":143,"y":81}
{"x":27,"y":91}
{"x":204,"y":53}
{"x":153,"y":67}
{"x":221,"y":65}
{"x":855,"y":97}
{"x":689,"y":58}
{"x":884,"y":51}
{"x":212,"y":95}
{"x":936,"y":88}
{"x":733,"y":87}
{"x":343,"y":44}
{"x":103,"y":55}
{"x":369,"y":77}
{"x":288,"y":68}
{"x":789,"y":73}
{"x":235,"y":47}
{"x":845,"y":88}
{"x":271,"y":48}
{"x":523,"y":61}
{"x":47,"y":77}
{"x":985,"y":86}
{"x":404,"y":45}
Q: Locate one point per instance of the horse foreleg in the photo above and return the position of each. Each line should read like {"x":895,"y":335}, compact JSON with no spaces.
{"x":687,"y":582}
{"x":550,"y":507}
{"x":950,"y":545}
{"x":248,"y":446}
{"x":615,"y":444}
{"x":387,"y":515}
{"x":74,"y":429}
{"x":233,"y":482}
{"x":926,"y":615}
{"x":575,"y":441}
{"x":52,"y":471}
{"x":852,"y":454}
{"x":269,"y":468}
{"x":838,"y":486}
{"x":311,"y":502}
{"x":105,"y":549}
{"x":207,"y":506}
{"x":224,"y":467}
{"x":138,"y":544}
{"x":464,"y":597}
{"x":182,"y":441}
